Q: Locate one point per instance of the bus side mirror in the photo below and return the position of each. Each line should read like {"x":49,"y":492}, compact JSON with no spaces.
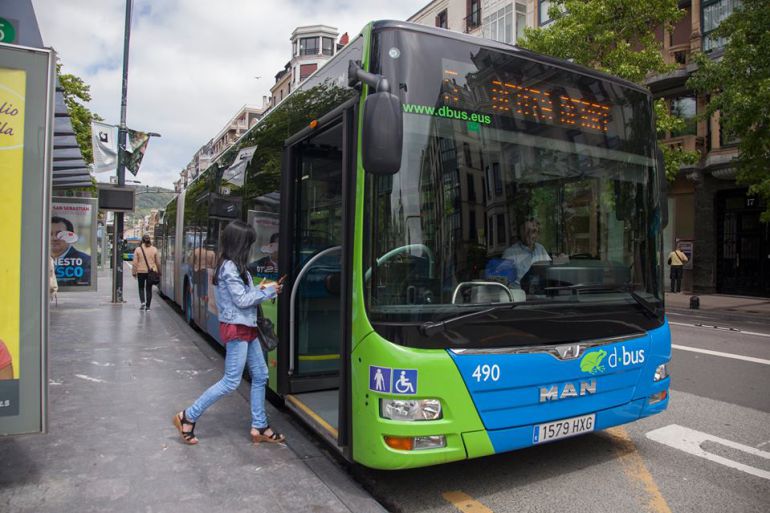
{"x":383,"y":134}
{"x":663,"y":193}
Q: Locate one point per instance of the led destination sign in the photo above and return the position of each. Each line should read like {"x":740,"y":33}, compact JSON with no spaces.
{"x":554,"y":107}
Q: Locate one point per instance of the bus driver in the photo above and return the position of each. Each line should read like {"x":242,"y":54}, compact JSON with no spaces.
{"x":526,"y":251}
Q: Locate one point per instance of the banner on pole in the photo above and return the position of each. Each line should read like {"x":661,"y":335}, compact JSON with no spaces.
{"x":104,"y":138}
{"x":137,"y":145}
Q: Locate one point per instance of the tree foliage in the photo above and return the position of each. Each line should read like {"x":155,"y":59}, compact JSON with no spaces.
{"x":616,"y":37}
{"x":76,"y":94}
{"x":739,"y":87}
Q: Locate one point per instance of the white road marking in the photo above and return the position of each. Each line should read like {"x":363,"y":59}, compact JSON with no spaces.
{"x":89,"y":378}
{"x":763,"y":444}
{"x":720,"y":328}
{"x":719,"y":353}
{"x":690,"y":440}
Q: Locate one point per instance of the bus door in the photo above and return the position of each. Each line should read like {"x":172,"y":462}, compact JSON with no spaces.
{"x":313,"y":316}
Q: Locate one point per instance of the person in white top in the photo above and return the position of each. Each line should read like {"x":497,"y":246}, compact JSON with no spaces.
{"x":677,"y":259}
{"x":527,"y":250}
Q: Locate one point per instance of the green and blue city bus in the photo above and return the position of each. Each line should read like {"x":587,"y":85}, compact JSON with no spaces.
{"x":471,"y":235}
{"x":130,"y":244}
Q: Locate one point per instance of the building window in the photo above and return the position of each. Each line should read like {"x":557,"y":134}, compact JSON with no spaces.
{"x":473,"y":19}
{"x":442,"y":19}
{"x":726,"y":139}
{"x":328,"y":46}
{"x":471,"y":187}
{"x":542,"y":9}
{"x":305,"y":70}
{"x":501,"y":228}
{"x":294,"y":48}
{"x":686,"y":108}
{"x":713,"y":13}
{"x":497,"y":179}
{"x":521,"y":20}
{"x":499,"y":25}
{"x":308,"y":46}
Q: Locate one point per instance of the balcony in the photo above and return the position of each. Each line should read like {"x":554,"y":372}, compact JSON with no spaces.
{"x":678,"y":54}
{"x":687,"y":143}
{"x":473,"y":21}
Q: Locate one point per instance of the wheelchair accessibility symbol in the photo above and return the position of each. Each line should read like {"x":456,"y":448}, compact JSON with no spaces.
{"x":405,"y":381}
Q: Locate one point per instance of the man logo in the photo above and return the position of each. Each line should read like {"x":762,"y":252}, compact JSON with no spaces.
{"x":554,"y":393}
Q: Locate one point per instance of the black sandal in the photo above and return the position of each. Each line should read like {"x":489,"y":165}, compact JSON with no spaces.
{"x":180,"y":420}
{"x":274,"y":438}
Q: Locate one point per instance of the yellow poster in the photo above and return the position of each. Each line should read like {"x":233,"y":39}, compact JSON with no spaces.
{"x":12,"y":95}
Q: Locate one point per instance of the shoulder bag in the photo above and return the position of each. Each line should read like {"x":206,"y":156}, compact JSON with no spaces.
{"x":267,"y":336}
{"x":152,"y":276}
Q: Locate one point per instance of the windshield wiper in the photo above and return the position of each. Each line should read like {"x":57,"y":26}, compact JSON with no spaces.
{"x":600,"y":287}
{"x":431,"y":328}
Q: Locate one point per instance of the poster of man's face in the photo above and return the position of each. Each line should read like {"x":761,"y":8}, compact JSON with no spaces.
{"x":70,"y":243}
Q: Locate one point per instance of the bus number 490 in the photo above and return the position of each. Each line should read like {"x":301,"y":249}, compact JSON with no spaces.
{"x":486,"y":372}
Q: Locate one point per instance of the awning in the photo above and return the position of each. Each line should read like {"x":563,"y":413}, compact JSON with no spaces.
{"x":69,"y":168}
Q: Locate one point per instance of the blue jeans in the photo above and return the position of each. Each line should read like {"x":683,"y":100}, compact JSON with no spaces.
{"x":239,"y":352}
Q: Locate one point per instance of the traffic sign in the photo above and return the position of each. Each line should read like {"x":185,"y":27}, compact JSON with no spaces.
{"x":7,"y":31}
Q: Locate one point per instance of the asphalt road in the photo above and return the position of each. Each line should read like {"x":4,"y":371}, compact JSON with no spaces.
{"x":709,"y":452}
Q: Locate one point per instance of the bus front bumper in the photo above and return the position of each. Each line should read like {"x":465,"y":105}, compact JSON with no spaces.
{"x":511,"y":439}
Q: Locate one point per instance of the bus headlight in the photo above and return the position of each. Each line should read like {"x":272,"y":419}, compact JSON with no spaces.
{"x":660,"y":373}
{"x":410,"y":409}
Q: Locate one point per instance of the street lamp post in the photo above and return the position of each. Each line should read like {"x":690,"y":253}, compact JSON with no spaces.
{"x":117,"y":267}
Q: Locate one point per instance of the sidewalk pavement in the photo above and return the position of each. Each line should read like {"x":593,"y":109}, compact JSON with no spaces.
{"x":757,"y":306}
{"x":117,"y":375}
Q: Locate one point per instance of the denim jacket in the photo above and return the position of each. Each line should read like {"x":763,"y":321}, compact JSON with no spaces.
{"x":236,"y":301}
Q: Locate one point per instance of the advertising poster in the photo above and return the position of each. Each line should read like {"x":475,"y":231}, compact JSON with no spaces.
{"x":27,"y":78}
{"x":73,"y":242}
{"x":12,"y":115}
{"x":263,"y":260}
{"x":686,"y":247}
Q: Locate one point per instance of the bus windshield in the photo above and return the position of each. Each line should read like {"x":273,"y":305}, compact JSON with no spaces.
{"x":519,"y":183}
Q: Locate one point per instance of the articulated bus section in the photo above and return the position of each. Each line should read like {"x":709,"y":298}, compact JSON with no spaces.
{"x":461,"y":280}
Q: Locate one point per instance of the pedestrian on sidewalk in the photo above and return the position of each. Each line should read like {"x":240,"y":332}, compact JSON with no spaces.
{"x":145,"y":267}
{"x":676,"y":259}
{"x":237,"y":298}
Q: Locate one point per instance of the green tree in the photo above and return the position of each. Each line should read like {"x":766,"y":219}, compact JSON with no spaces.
{"x":739,"y":89}
{"x":616,"y":37}
{"x":76,"y":94}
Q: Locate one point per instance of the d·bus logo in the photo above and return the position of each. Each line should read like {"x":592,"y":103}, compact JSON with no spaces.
{"x":592,"y":361}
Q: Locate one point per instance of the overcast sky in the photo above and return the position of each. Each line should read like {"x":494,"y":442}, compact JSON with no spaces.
{"x":192,"y":64}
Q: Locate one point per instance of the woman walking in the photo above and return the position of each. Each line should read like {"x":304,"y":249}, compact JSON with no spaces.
{"x":237,"y":299}
{"x":146,"y":259}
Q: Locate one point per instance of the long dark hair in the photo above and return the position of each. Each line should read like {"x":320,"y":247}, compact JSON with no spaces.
{"x":236,"y":240}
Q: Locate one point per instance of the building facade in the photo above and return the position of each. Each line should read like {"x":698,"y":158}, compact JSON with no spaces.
{"x":709,"y":212}
{"x":311,"y":47}
{"x":500,"y":20}
{"x":243,"y":120}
